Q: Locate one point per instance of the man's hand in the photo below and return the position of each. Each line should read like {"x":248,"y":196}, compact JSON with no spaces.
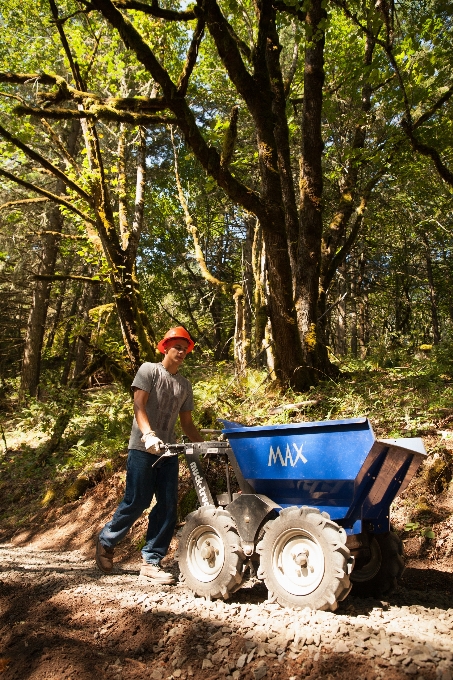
{"x":151,"y":442}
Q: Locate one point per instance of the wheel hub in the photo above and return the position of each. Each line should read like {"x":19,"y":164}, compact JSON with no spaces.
{"x":301,"y":559}
{"x":298,"y":561}
{"x":205,"y":553}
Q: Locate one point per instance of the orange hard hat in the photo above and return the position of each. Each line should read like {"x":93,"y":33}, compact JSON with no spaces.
{"x":173,"y":334}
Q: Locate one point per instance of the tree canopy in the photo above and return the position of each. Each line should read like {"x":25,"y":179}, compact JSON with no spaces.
{"x":276,"y":176}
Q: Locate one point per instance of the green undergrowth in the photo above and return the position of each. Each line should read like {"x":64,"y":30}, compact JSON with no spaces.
{"x":401,"y":401}
{"x":413,"y":398}
{"x":93,"y":444}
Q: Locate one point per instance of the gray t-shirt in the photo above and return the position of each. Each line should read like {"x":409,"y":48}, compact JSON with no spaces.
{"x":168,"y":395}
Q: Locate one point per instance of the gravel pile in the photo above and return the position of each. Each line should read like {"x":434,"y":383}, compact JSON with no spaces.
{"x":246,"y":637}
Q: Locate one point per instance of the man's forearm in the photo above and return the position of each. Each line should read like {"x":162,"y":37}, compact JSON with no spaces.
{"x":142,"y":421}
{"x":192,"y":432}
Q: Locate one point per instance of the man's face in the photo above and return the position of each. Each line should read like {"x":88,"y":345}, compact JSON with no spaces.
{"x":176,"y":349}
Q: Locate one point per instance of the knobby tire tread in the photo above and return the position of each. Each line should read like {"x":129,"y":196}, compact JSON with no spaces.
{"x":230,"y":578}
{"x":335,"y":584}
{"x":391,"y":570}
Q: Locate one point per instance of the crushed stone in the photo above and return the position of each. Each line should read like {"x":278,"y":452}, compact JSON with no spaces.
{"x":61,"y":618}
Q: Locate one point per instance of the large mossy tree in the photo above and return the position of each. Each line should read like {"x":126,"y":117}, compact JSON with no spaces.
{"x":316,"y":102}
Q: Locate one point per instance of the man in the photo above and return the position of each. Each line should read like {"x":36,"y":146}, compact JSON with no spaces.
{"x":160,"y":395}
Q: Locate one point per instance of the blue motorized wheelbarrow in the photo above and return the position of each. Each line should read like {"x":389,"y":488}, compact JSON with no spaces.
{"x":312,"y":518}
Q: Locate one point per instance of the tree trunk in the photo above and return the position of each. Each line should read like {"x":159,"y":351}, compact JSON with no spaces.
{"x":289,"y":365}
{"x":68,"y":346}
{"x":239,"y":332}
{"x":270,"y":356}
{"x":247,"y":268}
{"x":432,"y":292}
{"x":215,"y":309}
{"x":259,"y":297}
{"x":362,"y":311}
{"x":341,"y":322}
{"x":57,"y":314}
{"x":337,"y":243}
{"x":31,"y":362}
{"x":91,"y":299}
{"x":403,"y":310}
{"x":353,"y":321}
{"x":315,"y":359}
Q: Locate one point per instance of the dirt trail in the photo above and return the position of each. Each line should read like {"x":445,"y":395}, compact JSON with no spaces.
{"x":60,"y":618}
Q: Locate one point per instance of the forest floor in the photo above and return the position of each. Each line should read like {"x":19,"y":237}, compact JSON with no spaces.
{"x":61,"y":618}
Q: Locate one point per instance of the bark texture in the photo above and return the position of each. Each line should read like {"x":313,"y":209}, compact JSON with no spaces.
{"x":316,"y":363}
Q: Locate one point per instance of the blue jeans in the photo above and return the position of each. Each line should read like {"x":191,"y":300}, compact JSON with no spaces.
{"x":142,"y":483}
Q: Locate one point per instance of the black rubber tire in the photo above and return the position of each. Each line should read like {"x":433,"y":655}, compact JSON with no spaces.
{"x":367,"y":568}
{"x":324,"y":580}
{"x":391,"y":569}
{"x":210,"y":528}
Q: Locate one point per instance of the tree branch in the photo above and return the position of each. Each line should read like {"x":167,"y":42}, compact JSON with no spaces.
{"x":47,"y":194}
{"x":292,"y":70}
{"x":58,"y":234}
{"x":63,"y":20}
{"x":34,"y":155}
{"x":101,"y":200}
{"x":122,"y":190}
{"x":191,"y":227}
{"x":140,"y":186}
{"x":58,"y":143}
{"x":134,"y":104}
{"x":425,"y":149}
{"x":342,"y":253}
{"x":178,"y":321}
{"x":349,"y":180}
{"x":229,"y":140}
{"x":67,"y":277}
{"x":64,"y":41}
{"x":12,"y":96}
{"x":242,"y":46}
{"x":289,"y":9}
{"x":67,"y":93}
{"x":22,"y":201}
{"x":429,"y":151}
{"x":229,"y":51}
{"x":435,"y":107}
{"x":191,"y":59}
{"x":156,"y":11}
{"x":26,"y":78}
{"x":387,"y":46}
{"x":207,"y":155}
{"x":95,"y":113}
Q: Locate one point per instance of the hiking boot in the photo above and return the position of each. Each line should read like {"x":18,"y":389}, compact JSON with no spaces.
{"x":157,"y":575}
{"x":104,"y":557}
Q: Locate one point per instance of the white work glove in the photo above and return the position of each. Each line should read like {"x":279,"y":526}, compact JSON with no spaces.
{"x":151,"y":442}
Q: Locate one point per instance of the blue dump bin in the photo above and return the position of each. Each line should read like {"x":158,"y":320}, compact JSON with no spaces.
{"x":336,"y":466}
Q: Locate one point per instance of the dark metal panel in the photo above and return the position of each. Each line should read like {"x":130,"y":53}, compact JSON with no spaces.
{"x":249,"y":511}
